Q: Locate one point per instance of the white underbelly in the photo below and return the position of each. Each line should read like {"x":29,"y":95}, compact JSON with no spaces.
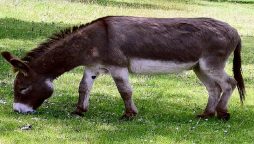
{"x":147,"y":66}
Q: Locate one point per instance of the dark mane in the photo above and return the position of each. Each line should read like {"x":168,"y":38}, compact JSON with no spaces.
{"x":45,"y":46}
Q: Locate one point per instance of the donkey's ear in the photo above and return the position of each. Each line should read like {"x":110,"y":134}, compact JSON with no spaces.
{"x":20,"y":66}
{"x":7,"y":56}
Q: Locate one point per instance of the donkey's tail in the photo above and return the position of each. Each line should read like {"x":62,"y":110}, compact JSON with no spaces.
{"x":237,"y":70}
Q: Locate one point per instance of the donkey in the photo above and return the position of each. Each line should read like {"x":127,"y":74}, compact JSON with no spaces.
{"x":118,"y":45}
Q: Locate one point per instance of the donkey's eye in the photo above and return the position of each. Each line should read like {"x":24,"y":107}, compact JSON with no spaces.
{"x":21,"y":89}
{"x":25,"y":90}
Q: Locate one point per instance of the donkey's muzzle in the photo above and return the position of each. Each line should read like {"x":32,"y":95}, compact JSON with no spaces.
{"x":23,"y":108}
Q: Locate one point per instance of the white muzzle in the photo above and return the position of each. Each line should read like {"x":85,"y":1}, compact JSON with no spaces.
{"x":23,"y":108}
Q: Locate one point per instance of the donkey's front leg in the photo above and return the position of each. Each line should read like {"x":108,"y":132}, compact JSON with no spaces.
{"x":84,"y":91}
{"x":120,"y":76}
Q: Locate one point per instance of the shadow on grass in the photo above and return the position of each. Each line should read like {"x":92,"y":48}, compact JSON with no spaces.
{"x":15,"y":29}
{"x":12,"y":28}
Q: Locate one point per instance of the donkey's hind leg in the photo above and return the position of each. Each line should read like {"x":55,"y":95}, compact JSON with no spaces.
{"x":215,"y":70}
{"x":120,"y":76}
{"x":227,"y":85}
{"x":84,"y":90}
{"x":214,"y":92}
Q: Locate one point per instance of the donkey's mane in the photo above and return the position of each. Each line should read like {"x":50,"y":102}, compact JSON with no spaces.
{"x":45,"y":46}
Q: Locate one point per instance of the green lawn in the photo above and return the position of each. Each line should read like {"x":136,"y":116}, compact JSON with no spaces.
{"x":167,"y":103}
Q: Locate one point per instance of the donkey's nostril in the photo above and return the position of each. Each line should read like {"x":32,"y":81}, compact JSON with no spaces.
{"x":31,"y":112}
{"x":15,"y":110}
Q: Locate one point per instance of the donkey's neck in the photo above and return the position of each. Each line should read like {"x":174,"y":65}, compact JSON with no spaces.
{"x":63,"y":56}
{"x":78,"y":47}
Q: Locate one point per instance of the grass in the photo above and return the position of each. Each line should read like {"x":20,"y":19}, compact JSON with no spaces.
{"x":167,"y":103}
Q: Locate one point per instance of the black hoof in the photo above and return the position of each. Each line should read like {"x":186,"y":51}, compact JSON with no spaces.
{"x":128,"y":116}
{"x":205,"y":115}
{"x":75,"y":113}
{"x":223,"y":116}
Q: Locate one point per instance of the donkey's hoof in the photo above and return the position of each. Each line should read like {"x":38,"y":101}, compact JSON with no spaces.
{"x":205,"y":115}
{"x":223,"y":116}
{"x":128,"y":116}
{"x":77,"y":113}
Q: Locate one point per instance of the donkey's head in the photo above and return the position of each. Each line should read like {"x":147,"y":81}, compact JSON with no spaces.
{"x":30,"y":88}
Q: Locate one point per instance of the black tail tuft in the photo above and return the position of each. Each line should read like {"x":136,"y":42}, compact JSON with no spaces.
{"x":237,"y":70}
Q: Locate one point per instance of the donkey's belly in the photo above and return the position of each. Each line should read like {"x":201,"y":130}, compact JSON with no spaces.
{"x":147,"y":66}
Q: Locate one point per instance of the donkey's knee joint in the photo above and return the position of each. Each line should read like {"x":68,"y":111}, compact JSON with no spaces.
{"x":233,"y":82}
{"x":227,"y":88}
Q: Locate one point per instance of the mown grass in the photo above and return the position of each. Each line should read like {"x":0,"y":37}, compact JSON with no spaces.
{"x":167,"y":103}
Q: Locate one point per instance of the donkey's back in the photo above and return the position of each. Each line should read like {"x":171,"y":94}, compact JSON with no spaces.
{"x":166,"y":45}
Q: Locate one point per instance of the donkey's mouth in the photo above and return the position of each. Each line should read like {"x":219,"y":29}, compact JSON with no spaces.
{"x":23,"y":108}
{"x":29,"y":112}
